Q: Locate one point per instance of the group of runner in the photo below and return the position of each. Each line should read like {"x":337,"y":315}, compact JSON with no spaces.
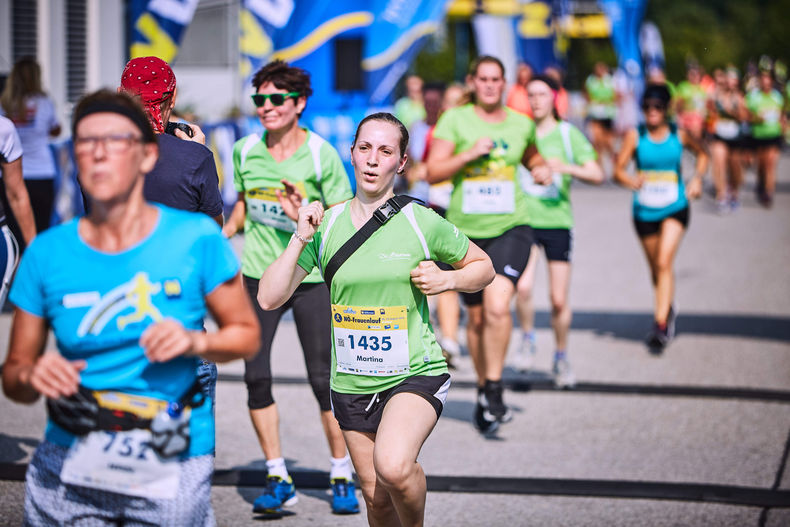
{"x":126,"y":288}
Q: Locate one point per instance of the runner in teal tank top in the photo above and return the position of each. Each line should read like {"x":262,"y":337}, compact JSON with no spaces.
{"x":389,"y":378}
{"x":661,"y":200}
{"x":570,"y":155}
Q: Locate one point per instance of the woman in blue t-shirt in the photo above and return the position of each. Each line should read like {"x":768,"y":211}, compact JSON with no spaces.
{"x":661,"y":200}
{"x":125,"y":289}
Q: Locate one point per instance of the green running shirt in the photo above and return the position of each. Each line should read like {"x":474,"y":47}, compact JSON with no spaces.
{"x":767,"y":106}
{"x":487,"y":199}
{"x":381,"y":323}
{"x":549,"y":206}
{"x":316,"y":170}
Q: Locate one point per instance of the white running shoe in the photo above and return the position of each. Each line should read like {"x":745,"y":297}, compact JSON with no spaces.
{"x":523,"y":359}
{"x":564,"y":378}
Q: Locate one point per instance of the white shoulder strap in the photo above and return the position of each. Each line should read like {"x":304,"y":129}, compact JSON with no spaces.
{"x":314,"y":144}
{"x":408,"y":210}
{"x":249,"y":144}
{"x":565,"y":132}
{"x":334,"y":213}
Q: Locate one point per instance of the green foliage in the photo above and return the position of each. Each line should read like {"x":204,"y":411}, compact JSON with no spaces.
{"x":718,"y":33}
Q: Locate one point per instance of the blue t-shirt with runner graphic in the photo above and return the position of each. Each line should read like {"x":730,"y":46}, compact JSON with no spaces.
{"x":98,"y":305}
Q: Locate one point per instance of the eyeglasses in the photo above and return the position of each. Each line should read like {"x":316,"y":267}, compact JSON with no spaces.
{"x":277,"y":99}
{"x":654,"y":106}
{"x":113,"y":144}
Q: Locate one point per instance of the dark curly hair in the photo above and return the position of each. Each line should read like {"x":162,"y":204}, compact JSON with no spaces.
{"x":284,"y":77}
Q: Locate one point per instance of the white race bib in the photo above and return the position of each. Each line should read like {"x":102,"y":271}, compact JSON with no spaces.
{"x":488,"y":196}
{"x":771,"y":116}
{"x":121,"y":462}
{"x":727,"y":129}
{"x":659,"y":190}
{"x":264,"y":207}
{"x":371,"y":340}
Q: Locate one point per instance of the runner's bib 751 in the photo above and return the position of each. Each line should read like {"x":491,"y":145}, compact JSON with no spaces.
{"x":264,"y":207}
{"x":371,"y":340}
{"x":659,"y":189}
{"x":121,"y":462}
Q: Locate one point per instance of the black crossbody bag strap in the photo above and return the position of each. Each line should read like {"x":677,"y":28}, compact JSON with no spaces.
{"x":379,"y":218}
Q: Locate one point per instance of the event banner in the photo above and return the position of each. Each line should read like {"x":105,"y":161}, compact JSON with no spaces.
{"x":537,"y":35}
{"x":626,"y":18}
{"x":157,"y":26}
{"x":393,"y":40}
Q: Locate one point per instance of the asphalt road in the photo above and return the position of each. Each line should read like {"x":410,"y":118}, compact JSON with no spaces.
{"x":697,"y":436}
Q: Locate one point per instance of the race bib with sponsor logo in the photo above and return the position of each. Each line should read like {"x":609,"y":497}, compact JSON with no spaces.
{"x":660,"y":188}
{"x":371,"y":340}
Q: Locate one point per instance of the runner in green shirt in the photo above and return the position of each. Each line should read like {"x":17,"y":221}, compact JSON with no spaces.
{"x":569,"y":155}
{"x":690,"y":101}
{"x":287,"y":156}
{"x":389,"y":379}
{"x":480,"y":147}
{"x":601,"y":110}
{"x":768,"y":124}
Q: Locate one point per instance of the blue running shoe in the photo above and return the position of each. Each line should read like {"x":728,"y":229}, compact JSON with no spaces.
{"x":278,"y":492}
{"x":344,"y":499}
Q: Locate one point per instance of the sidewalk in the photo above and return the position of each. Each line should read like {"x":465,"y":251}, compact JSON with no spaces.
{"x":698,"y":436}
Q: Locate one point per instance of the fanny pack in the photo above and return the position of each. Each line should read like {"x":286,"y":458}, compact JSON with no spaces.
{"x":89,"y":411}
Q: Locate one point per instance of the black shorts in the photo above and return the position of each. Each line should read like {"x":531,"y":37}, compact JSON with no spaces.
{"x":766,"y":142}
{"x":606,"y":123}
{"x":509,"y":253}
{"x":556,"y":242}
{"x":736,"y":142}
{"x":360,"y":412}
{"x":648,"y":228}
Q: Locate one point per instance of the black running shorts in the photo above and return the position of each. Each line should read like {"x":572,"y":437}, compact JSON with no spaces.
{"x":509,"y":253}
{"x":362,"y":412}
{"x":556,"y":242}
{"x":648,"y":228}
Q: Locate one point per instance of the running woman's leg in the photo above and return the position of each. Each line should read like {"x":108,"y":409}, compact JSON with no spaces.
{"x":670,"y":236}
{"x":380,"y":510}
{"x":448,"y":313}
{"x":497,"y":325}
{"x":312,"y":314}
{"x":559,"y":285}
{"x":474,"y":340}
{"x":650,"y":246}
{"x":769,"y":157}
{"x":720,"y":155}
{"x":524,"y":304}
{"x":396,"y":450}
{"x":258,"y":377}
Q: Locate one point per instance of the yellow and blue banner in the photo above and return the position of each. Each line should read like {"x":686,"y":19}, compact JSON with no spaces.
{"x":157,"y":27}
{"x":394,"y":39}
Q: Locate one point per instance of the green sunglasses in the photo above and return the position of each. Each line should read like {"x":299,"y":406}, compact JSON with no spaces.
{"x":278,"y":99}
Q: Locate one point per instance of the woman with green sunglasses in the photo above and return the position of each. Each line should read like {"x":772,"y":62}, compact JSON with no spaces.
{"x":291,"y":158}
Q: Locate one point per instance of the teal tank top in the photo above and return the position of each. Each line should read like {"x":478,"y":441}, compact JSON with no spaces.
{"x":663,"y":192}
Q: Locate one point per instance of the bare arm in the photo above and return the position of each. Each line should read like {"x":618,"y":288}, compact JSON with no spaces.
{"x":236,"y":219}
{"x":589,"y":172}
{"x":694,"y":188}
{"x":18,"y":198}
{"x":236,"y":338}
{"x":623,"y":159}
{"x":472,"y":273}
{"x":284,"y":275}
{"x":536,"y":165}
{"x":443,"y":164}
{"x":27,"y":373}
{"x":220,"y":219}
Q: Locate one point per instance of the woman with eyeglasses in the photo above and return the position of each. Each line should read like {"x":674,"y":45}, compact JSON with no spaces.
{"x":293,"y":164}
{"x":661,"y":199}
{"x":130,"y":436}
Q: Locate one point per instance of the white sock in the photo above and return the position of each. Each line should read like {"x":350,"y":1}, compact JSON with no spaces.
{"x":276,"y":467}
{"x":341,"y":468}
